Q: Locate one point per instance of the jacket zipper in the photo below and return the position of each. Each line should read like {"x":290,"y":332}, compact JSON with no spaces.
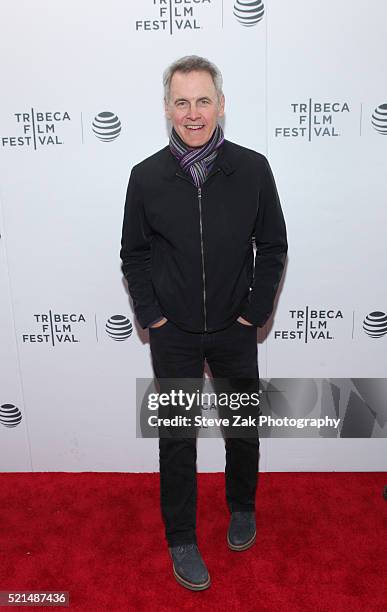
{"x":201,"y":242}
{"x":202,"y":251}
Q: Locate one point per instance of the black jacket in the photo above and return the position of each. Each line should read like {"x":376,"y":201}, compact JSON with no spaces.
{"x":188,"y":253}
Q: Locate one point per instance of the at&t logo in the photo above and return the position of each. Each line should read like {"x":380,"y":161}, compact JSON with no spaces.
{"x":379,"y":119}
{"x":106,"y":126}
{"x":10,"y":415}
{"x":249,"y":12}
{"x":375,"y":324}
{"x":119,"y":328}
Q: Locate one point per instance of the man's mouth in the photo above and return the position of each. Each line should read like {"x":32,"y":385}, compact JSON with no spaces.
{"x":194,"y":127}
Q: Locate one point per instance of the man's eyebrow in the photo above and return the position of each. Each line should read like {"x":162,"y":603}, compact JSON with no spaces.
{"x":186,"y":100}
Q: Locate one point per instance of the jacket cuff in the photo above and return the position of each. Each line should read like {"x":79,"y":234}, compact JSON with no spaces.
{"x":258,"y":320}
{"x":146,"y":315}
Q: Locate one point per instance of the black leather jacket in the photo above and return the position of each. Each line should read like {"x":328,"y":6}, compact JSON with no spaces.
{"x":188,"y":253}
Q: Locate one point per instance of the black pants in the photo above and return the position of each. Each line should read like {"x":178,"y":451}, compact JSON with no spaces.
{"x":230,"y":353}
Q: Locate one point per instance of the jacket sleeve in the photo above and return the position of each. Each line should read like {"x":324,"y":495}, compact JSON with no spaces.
{"x":135,"y":254}
{"x":271,"y":249}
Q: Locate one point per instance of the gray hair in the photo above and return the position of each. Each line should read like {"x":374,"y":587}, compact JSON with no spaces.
{"x":188,"y":63}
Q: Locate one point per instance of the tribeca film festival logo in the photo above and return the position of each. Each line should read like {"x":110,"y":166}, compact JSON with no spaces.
{"x":63,"y":328}
{"x":314,"y":120}
{"x":55,"y":328}
{"x":324,"y":119}
{"x":173,"y":16}
{"x":10,"y":415}
{"x":37,"y":129}
{"x":310,"y":324}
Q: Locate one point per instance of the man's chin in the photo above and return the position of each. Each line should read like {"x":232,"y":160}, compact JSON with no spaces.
{"x":193,"y":140}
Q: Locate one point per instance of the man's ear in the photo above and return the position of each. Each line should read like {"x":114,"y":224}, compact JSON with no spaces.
{"x":166,"y":109}
{"x":221,"y":106}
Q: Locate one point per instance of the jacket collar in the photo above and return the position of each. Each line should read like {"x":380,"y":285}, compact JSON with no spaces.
{"x":225,"y":160}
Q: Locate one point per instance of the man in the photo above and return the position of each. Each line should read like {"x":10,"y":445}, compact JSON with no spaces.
{"x":192,"y":212}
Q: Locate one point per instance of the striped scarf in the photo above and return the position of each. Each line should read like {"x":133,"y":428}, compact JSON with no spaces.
{"x":199,"y":160}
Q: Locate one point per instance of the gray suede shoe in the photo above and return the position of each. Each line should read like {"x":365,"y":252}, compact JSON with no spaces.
{"x":189,"y":568}
{"x":242,"y":531}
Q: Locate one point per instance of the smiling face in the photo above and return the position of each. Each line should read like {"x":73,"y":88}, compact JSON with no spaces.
{"x":193,"y":106}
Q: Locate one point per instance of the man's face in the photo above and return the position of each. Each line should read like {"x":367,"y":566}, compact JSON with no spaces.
{"x":193,"y":106}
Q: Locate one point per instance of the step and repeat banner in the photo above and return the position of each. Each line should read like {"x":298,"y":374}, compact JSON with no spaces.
{"x":82,"y":103}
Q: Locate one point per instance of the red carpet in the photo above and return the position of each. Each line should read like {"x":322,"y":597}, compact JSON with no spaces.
{"x":321,"y":543}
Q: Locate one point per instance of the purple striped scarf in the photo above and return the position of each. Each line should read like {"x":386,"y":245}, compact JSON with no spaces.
{"x":198,"y":160}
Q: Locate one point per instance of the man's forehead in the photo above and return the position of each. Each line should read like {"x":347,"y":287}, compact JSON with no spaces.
{"x":194,"y":84}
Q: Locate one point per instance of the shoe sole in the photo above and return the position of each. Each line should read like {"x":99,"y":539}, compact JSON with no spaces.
{"x":190,"y":585}
{"x":244,"y":546}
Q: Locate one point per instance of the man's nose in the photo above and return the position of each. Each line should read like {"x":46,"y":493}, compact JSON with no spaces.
{"x":193,"y":112}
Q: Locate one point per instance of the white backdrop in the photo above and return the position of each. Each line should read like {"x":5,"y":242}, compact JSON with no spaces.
{"x":302,"y":85}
